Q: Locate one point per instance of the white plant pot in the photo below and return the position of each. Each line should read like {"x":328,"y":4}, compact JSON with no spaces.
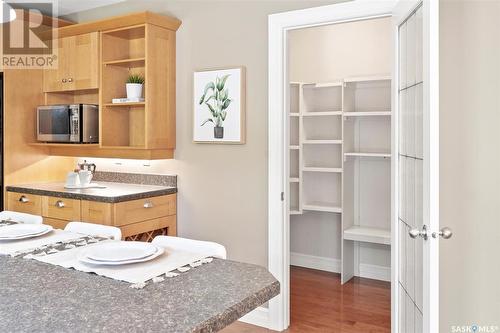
{"x":134,"y":90}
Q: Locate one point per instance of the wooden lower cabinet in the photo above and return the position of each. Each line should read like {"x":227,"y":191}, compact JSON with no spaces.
{"x":25,"y":203}
{"x":140,"y":219}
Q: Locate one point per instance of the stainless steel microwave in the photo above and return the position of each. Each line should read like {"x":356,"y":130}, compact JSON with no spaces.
{"x":74,"y":123}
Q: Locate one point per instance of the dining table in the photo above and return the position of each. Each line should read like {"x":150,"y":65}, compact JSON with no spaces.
{"x":36,"y":296}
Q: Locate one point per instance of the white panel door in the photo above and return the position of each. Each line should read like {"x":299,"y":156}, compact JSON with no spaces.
{"x":416,"y":165}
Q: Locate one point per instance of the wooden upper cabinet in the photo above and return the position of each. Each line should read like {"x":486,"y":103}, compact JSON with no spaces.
{"x":78,"y":64}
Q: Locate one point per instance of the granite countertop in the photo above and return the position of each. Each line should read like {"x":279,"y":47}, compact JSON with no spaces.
{"x":114,"y":192}
{"x":37,"y":297}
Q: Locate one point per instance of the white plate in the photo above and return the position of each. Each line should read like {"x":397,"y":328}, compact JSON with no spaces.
{"x":22,"y":231}
{"x":120,"y":251}
{"x":87,"y":260}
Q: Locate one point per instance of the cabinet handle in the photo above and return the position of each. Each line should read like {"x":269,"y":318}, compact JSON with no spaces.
{"x":70,"y":79}
{"x":148,"y":204}
{"x":23,"y":199}
{"x":63,"y":80}
{"x":59,"y":204}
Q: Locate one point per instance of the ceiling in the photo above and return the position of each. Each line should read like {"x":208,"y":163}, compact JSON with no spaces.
{"x":66,"y":7}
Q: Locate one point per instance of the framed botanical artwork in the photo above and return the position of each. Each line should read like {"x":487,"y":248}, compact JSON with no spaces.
{"x":219,"y":106}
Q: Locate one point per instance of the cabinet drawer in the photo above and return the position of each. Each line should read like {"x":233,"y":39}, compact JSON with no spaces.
{"x":24,"y":203}
{"x":97,"y":212}
{"x":61,"y":208}
{"x":144,"y":209}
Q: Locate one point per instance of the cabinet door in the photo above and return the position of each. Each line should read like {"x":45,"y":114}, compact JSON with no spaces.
{"x":57,"y":79}
{"x":97,"y":212}
{"x":78,"y":64}
{"x":84,"y":62}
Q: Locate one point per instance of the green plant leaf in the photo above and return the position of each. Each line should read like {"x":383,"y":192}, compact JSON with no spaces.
{"x":217,"y":82}
{"x":212,"y":110}
{"x":224,"y":94}
{"x":226,"y":103}
{"x":135,"y":78}
{"x":223,"y":115}
{"x":206,"y":121}
{"x":222,"y":82}
{"x":209,"y":86}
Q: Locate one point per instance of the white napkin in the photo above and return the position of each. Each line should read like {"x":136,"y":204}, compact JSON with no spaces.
{"x":170,"y":260}
{"x":14,"y":246}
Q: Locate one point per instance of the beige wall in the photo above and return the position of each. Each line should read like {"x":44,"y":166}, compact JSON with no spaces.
{"x":470,"y":163}
{"x":222,"y":188}
{"x":332,"y":52}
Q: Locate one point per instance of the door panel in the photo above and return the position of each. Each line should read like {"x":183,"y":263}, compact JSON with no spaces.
{"x":410,"y":172}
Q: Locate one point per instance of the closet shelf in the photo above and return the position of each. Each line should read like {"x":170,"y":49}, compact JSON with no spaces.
{"x":367,"y":113}
{"x":361,"y":154}
{"x":322,"y":142}
{"x":294,"y":147}
{"x":320,"y":169}
{"x":294,"y":114}
{"x":295,"y":211}
{"x":322,"y":207}
{"x":322,"y":113}
{"x":368,"y":234}
{"x":294,"y":179}
{"x":383,"y":77}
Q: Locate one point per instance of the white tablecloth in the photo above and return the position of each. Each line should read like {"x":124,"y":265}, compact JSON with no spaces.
{"x":170,"y":260}
{"x":13,"y":247}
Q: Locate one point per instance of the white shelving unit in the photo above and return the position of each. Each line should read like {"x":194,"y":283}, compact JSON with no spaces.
{"x":339,"y":158}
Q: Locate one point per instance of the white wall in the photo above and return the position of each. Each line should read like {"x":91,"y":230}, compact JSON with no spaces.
{"x":222,"y":188}
{"x":326,"y":54}
{"x":470,"y":163}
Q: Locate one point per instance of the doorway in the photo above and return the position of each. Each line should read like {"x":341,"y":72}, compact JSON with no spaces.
{"x":346,"y":173}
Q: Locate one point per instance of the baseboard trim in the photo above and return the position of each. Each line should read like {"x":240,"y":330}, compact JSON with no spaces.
{"x":314,"y":262}
{"x":334,"y":265}
{"x":375,"y":272}
{"x":258,"y":317}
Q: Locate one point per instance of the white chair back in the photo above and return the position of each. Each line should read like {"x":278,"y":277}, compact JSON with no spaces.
{"x":94,"y":229}
{"x":20,"y":217}
{"x":184,"y":244}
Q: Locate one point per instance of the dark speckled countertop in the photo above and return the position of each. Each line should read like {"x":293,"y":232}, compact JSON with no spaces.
{"x":119,"y":187}
{"x":37,"y":297}
{"x":114,"y":192}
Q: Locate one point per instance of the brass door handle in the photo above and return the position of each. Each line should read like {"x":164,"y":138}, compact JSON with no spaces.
{"x":59,"y":204}
{"x":23,"y":199}
{"x":148,"y":204}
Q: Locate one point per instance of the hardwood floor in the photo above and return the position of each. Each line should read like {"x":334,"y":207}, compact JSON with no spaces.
{"x":319,"y":303}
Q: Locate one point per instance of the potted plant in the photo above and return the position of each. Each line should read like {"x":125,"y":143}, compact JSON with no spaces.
{"x":217,"y":102}
{"x":134,"y":86}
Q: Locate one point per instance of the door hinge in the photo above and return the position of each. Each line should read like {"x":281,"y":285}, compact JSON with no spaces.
{"x":282,"y":196}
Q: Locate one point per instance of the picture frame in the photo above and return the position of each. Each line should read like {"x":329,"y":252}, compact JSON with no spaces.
{"x":219,"y":102}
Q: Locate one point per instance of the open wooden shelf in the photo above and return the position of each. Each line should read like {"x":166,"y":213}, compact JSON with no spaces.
{"x":131,"y":62}
{"x":368,"y":234}
{"x":111,"y":105}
